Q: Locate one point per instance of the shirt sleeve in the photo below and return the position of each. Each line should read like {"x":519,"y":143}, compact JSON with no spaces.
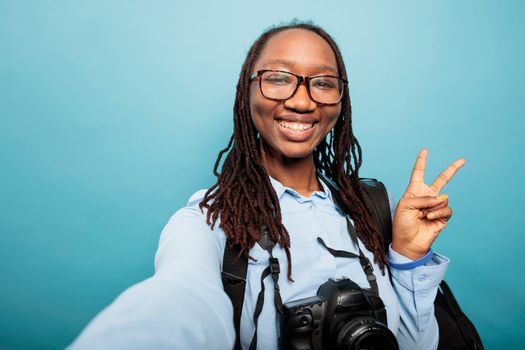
{"x":416,"y":290}
{"x":182,"y":306}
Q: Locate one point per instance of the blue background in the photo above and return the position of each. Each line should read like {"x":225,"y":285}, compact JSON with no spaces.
{"x":112,"y":115}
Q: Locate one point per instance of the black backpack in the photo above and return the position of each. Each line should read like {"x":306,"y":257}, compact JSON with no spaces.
{"x":456,"y":331}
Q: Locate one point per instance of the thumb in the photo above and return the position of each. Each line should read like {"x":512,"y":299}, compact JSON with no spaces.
{"x":424,"y":201}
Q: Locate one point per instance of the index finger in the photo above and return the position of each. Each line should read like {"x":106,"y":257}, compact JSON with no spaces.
{"x":418,"y":173}
{"x":446,"y":175}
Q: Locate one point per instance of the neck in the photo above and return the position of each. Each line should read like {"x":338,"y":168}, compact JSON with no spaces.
{"x":296,"y":173}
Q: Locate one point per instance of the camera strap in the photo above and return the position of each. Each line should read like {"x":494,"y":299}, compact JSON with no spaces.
{"x":365,"y":263}
{"x":363,"y":260}
{"x":272,"y":269}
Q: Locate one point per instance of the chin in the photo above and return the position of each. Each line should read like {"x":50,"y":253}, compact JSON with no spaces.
{"x":296,"y":153}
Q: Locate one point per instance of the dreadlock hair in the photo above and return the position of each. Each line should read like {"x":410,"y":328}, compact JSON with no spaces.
{"x":244,"y":197}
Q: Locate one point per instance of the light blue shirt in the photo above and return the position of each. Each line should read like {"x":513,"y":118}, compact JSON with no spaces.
{"x":183,"y":305}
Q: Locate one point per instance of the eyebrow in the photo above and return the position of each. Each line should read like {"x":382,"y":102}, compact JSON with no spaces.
{"x":292,"y":63}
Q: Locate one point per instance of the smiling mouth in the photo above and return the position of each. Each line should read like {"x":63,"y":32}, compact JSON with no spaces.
{"x":296,"y":126}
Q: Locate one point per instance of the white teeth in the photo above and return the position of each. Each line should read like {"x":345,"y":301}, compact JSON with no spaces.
{"x":295,"y":125}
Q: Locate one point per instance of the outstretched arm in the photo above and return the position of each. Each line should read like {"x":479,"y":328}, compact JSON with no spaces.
{"x":183,"y":306}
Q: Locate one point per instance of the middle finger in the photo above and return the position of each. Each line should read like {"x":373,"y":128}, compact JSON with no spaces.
{"x":446,"y":175}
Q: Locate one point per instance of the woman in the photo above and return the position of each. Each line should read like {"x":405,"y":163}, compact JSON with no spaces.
{"x":292,"y":93}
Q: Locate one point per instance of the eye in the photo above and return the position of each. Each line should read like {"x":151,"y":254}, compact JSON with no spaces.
{"x":276,"y":78}
{"x":325,"y":83}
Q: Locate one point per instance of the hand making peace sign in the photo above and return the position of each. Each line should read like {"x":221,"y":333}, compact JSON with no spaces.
{"x":421,"y":214}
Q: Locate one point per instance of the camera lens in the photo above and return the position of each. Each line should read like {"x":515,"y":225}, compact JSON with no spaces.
{"x":374,"y":342}
{"x":365,"y":334}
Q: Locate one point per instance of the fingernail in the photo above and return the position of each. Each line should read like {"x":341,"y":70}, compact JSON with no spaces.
{"x":442,"y":196}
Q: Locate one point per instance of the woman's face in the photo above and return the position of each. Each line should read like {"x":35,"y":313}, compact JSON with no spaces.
{"x":294,"y":127}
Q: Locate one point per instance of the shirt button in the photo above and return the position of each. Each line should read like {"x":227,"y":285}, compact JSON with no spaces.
{"x":312,"y":206}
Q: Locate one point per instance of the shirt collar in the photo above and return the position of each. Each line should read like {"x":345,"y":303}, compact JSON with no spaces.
{"x":280,"y":189}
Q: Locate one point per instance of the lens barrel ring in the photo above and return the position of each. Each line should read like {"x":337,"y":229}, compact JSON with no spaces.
{"x":365,"y":333}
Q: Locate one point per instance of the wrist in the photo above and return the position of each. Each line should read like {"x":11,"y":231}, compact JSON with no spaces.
{"x":408,"y":253}
{"x":400,"y":262}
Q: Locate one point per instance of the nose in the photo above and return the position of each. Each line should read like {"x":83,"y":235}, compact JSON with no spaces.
{"x":301,"y":101}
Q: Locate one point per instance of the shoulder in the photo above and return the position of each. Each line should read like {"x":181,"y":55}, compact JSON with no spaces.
{"x":196,"y":198}
{"x":187,"y":232}
{"x":192,"y":209}
{"x":190,"y":219}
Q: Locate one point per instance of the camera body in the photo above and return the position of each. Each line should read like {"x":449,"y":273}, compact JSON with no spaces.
{"x":341,"y":316}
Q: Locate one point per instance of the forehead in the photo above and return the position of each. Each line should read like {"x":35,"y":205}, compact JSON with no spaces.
{"x":300,"y":50}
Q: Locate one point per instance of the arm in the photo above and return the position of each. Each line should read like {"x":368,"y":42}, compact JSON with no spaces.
{"x":416,"y":290}
{"x":183,"y":306}
{"x":419,"y":217}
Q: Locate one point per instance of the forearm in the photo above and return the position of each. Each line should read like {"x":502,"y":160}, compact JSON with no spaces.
{"x":416,"y":290}
{"x":169,"y":310}
{"x":183,"y":306}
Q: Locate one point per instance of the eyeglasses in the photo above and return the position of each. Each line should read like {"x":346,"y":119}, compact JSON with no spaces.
{"x":280,"y":85}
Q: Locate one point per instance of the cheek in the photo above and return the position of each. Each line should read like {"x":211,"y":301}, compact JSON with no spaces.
{"x":255,"y":110}
{"x":262,"y":110}
{"x":332,"y":118}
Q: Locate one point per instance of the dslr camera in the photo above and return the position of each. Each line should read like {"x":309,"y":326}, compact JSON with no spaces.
{"x":340,"y":316}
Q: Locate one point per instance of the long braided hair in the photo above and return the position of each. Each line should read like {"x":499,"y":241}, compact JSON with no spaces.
{"x":244,"y":197}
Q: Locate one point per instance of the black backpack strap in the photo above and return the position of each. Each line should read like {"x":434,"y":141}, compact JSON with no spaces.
{"x":376,"y":197}
{"x":456,"y":331}
{"x":234,"y":269}
{"x":273,"y":269}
